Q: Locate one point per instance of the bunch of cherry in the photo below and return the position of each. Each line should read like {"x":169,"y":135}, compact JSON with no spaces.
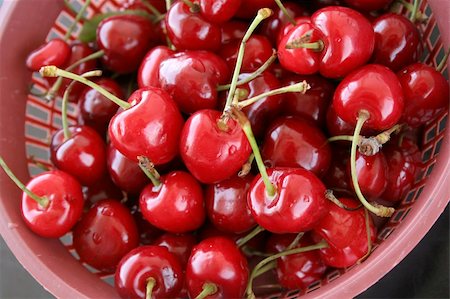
{"x":162,"y":189}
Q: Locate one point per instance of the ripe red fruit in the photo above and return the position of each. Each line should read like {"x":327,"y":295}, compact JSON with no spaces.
{"x":180,"y":245}
{"x":148,"y":73}
{"x":54,"y":52}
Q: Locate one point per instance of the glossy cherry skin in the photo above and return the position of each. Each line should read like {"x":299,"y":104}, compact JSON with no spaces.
{"x":82,"y":155}
{"x":217,"y":260}
{"x":372,"y":173}
{"x":191,"y":31}
{"x":336,"y":177}
{"x":125,"y":173}
{"x":105,"y":234}
{"x":233,"y":29}
{"x":426,"y":93}
{"x":226,"y":205}
{"x":375,"y":89}
{"x":103,"y":188}
{"x":337,"y":126}
{"x":368,"y":5}
{"x":397,"y":41}
{"x":404,"y":162}
{"x":211,"y":154}
{"x":125,"y":40}
{"x":345,"y":233}
{"x":54,"y":52}
{"x":95,"y":110}
{"x":249,"y":8}
{"x":219,"y":11}
{"x":293,"y":142}
{"x":176,"y":206}
{"x":180,"y":245}
{"x":148,"y":73}
{"x":65,"y":204}
{"x":297,"y":206}
{"x":146,"y":262}
{"x":284,"y":30}
{"x":151,"y":127}
{"x":147,"y":233}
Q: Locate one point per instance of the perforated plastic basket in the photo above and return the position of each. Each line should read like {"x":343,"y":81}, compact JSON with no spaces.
{"x":27,"y":123}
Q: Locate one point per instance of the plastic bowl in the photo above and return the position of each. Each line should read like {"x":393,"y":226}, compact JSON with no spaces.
{"x":26,"y":122}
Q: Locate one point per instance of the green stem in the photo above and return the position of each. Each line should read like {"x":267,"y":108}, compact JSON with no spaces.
{"x":193,"y":7}
{"x":247,"y":166}
{"x":242,"y":241}
{"x":168,"y":4}
{"x":77,"y":19}
{"x":42,"y":201}
{"x":369,"y":237}
{"x":330,"y":196}
{"x":253,"y":75}
{"x":443,"y":63}
{"x":149,"y":287}
{"x":149,"y":169}
{"x":315,"y":46}
{"x":415,"y":8}
{"x":286,"y":13}
{"x":294,"y":242}
{"x":298,"y":87}
{"x":341,"y":138}
{"x":53,"y":71}
{"x":208,"y":288}
{"x":265,"y":268}
{"x":379,"y":210}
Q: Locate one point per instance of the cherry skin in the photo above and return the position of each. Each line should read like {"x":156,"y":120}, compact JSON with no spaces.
{"x":336,"y":177}
{"x":368,"y":5}
{"x":190,"y":31}
{"x":96,"y":111}
{"x":375,"y":89}
{"x":345,"y":233}
{"x":125,"y":40}
{"x":180,"y":245}
{"x":143,"y":263}
{"x":297,"y":206}
{"x":65,"y":204}
{"x":176,"y":205}
{"x":105,"y":234}
{"x":148,"y":73}
{"x":147,"y":232}
{"x":284,"y":30}
{"x":226,"y":205}
{"x":150,"y":128}
{"x":139,"y":4}
{"x":397,"y":41}
{"x":219,"y":11}
{"x":82,"y":155}
{"x":54,"y":52}
{"x":103,"y":188}
{"x":232,"y":30}
{"x":125,"y":173}
{"x":208,"y":260}
{"x":210,"y":153}
{"x":249,"y":8}
{"x":336,"y":126}
{"x":293,"y":142}
{"x":426,"y":93}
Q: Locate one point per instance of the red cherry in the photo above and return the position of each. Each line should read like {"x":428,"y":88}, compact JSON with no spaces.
{"x":368,"y":5}
{"x":180,"y":245}
{"x":190,"y":31}
{"x":210,"y":153}
{"x":226,"y":205}
{"x":176,"y":205}
{"x":125,"y":40}
{"x":105,"y":234}
{"x":139,"y":4}
{"x":297,"y":206}
{"x":150,"y":128}
{"x":336,"y":177}
{"x":375,"y":89}
{"x":148,"y":74}
{"x":397,"y":41}
{"x":208,"y":261}
{"x":82,"y":155}
{"x":145,"y":262}
{"x":426,"y":93}
{"x":103,"y":188}
{"x":55,"y":52}
{"x":284,"y":30}
{"x":336,"y":126}
{"x":249,"y":8}
{"x":345,"y":233}
{"x":219,"y":11}
{"x":293,"y":142}
{"x":147,"y":232}
{"x":233,"y":30}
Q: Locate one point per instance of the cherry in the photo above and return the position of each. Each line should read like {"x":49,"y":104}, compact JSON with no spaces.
{"x":284,"y":30}
{"x":336,"y":177}
{"x":232,"y":30}
{"x":96,"y":110}
{"x":103,"y":188}
{"x":54,"y":52}
{"x":124,"y":172}
{"x":105,"y":234}
{"x":175,"y":205}
{"x":141,"y":5}
{"x":188,"y":30}
{"x":293,"y":142}
{"x":180,"y":245}
{"x":219,"y":11}
{"x":81,"y":155}
{"x":226,"y":205}
{"x":368,"y":5}
{"x":149,"y":272}
{"x":125,"y":39}
{"x":147,"y":232}
{"x":346,"y":234}
{"x":148,"y":73}
{"x":397,"y":41}
{"x":426,"y":93}
{"x":205,"y":270}
{"x":212,"y":154}
{"x":298,"y":204}
{"x":249,"y":8}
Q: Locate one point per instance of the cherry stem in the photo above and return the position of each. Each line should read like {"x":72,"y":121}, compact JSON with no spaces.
{"x":242,"y":241}
{"x":304,"y":42}
{"x":265,"y":268}
{"x":298,"y":87}
{"x":70,"y":6}
{"x":253,"y":75}
{"x":247,"y":128}
{"x":77,"y":19}
{"x":53,"y":71}
{"x":42,"y":201}
{"x":149,"y":287}
{"x":263,"y":13}
{"x":54,"y":89}
{"x":250,"y":251}
{"x":38,"y":164}
{"x":168,"y":4}
{"x":410,"y":7}
{"x":330,"y":196}
{"x":286,"y":13}
{"x":249,"y":291}
{"x":340,"y":138}
{"x":443,"y":63}
{"x":247,"y":166}
{"x":378,"y":210}
{"x":297,"y":239}
{"x":415,"y":8}
{"x":193,"y":7}
{"x":369,"y":237}
{"x":149,"y":169}
{"x":208,"y":288}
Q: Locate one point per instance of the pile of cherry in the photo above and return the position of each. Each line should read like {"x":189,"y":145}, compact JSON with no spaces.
{"x":229,"y":153}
